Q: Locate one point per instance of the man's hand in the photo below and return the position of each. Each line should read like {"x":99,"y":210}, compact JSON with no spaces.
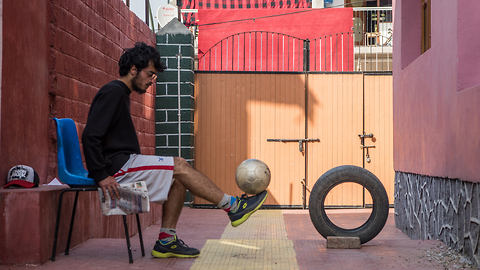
{"x":111,"y":185}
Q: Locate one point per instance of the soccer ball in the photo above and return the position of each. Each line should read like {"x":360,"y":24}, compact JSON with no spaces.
{"x":252,"y":176}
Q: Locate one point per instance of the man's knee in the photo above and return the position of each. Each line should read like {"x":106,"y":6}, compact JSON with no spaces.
{"x":180,"y":165}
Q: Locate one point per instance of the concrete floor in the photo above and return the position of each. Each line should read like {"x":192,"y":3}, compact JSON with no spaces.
{"x":270,"y":239}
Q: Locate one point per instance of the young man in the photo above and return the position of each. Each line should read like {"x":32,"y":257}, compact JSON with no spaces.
{"x":112,"y":154}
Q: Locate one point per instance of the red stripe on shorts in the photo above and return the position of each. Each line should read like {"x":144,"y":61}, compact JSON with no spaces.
{"x":144,"y":168}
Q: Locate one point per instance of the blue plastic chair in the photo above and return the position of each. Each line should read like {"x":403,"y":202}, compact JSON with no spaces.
{"x":72,"y":173}
{"x":70,"y":164}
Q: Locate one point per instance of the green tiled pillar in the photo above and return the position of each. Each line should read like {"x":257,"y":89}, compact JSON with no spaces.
{"x":175,"y":44}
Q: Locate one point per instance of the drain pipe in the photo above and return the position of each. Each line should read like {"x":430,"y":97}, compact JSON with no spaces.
{"x":179,"y":109}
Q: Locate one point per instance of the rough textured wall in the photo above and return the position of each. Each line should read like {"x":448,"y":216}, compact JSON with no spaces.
{"x":439,"y":208}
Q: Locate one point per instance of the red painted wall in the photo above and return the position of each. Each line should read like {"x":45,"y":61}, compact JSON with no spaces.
{"x":436,"y":98}
{"x":216,"y":25}
{"x":25,"y":80}
{"x":88,"y":39}
{"x":56,"y":55}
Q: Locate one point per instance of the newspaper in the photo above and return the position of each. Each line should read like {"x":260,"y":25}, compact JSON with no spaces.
{"x":133,"y":200}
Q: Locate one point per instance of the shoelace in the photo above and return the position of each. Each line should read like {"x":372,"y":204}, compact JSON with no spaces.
{"x":245,"y":196}
{"x":183,"y":243}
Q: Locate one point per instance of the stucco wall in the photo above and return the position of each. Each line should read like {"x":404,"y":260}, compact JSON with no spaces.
{"x":436,"y":124}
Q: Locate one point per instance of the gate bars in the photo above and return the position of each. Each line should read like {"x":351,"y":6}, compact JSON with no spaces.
{"x":276,"y":52}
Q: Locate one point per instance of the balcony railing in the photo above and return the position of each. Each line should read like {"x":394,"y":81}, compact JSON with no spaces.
{"x":269,"y":51}
{"x":377,"y":23}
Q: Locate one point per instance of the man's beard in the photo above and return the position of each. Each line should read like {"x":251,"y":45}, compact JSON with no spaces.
{"x":137,"y":88}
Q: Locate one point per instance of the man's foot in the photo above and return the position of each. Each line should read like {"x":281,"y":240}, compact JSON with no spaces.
{"x":175,"y":248}
{"x":246,"y":207}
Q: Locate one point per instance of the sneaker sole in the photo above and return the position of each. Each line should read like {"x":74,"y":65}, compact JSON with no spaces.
{"x":238,"y":222}
{"x":157,"y":254}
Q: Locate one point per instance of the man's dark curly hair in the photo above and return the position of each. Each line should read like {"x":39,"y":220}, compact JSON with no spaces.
{"x":140,"y":57}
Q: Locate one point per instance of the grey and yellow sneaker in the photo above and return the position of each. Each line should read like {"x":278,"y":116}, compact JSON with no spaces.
{"x":247,"y":205}
{"x":175,"y":248}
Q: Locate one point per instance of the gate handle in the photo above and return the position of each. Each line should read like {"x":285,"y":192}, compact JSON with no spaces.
{"x":300,"y":141}
{"x":366,"y":135}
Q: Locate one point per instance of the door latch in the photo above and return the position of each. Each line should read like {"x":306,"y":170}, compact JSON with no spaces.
{"x":367,"y":146}
{"x":363,"y":146}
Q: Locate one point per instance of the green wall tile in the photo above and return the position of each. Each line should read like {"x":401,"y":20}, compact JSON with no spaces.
{"x":166,"y":128}
{"x":160,"y":115}
{"x":179,"y":39}
{"x":172,"y":152}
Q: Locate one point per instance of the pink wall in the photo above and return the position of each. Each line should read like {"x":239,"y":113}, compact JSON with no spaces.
{"x":436,"y":124}
{"x":468,"y":44}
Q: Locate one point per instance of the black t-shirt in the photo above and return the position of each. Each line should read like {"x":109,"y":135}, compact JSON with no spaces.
{"x":109,"y":136}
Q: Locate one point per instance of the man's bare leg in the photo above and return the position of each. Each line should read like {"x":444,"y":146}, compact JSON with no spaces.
{"x":187,"y":177}
{"x":196,"y":182}
{"x":168,"y":245}
{"x":173,"y":206}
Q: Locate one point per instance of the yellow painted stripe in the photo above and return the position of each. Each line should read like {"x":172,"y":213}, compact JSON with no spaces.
{"x":259,"y":243}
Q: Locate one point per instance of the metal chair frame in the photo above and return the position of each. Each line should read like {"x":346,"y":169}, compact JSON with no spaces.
{"x":79,"y":173}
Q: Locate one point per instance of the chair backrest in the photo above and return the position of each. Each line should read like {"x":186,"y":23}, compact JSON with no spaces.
{"x":70,"y":165}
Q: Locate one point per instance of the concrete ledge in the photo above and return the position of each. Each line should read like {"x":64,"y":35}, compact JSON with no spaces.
{"x":27,"y":220}
{"x":343,"y":242}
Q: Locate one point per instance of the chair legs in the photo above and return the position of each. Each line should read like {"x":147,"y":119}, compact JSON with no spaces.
{"x":130,"y":259}
{"x":57,"y":225}
{"x":67,"y":249}
{"x":127,"y":237}
{"x":140,"y":235}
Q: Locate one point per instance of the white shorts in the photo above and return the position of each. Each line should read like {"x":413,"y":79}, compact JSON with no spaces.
{"x":156,"y":171}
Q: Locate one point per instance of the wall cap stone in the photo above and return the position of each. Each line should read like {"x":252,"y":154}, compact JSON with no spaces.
{"x":174,"y":27}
